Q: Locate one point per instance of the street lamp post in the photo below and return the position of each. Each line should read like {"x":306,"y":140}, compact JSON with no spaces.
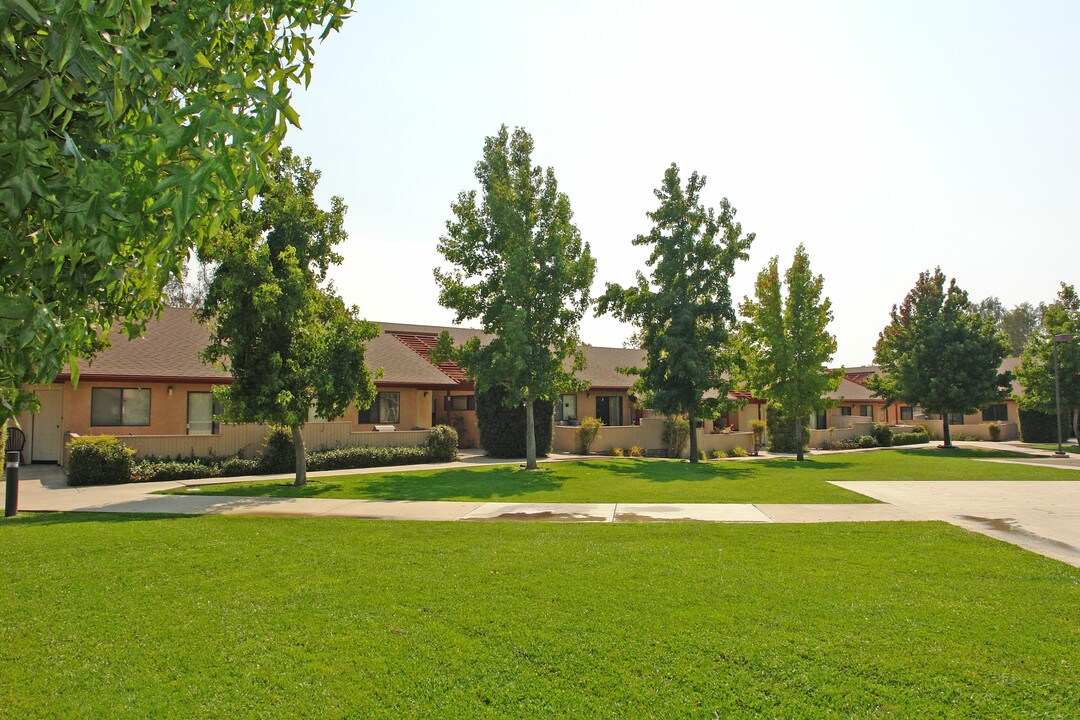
{"x":1058,"y":340}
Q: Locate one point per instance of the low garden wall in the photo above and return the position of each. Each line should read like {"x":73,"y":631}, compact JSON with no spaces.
{"x":1009,"y":431}
{"x":247,"y":439}
{"x":649,"y":435}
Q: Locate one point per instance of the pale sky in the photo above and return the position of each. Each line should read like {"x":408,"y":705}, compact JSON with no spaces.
{"x":888,"y":137}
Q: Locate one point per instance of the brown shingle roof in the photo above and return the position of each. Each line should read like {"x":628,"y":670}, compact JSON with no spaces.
{"x":168,"y":350}
{"x":601,"y":362}
{"x":851,"y":391}
{"x":402,"y":366}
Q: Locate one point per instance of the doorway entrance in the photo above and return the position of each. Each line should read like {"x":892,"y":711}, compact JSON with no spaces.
{"x":46,"y":437}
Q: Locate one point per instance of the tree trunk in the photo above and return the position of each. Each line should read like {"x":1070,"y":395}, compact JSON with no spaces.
{"x":945,"y":431}
{"x":693,"y":437}
{"x":798,"y":440}
{"x":301,"y":457}
{"x":1076,"y":424}
{"x":530,"y":432}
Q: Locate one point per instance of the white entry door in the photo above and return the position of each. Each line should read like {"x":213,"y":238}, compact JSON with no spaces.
{"x":47,"y":435}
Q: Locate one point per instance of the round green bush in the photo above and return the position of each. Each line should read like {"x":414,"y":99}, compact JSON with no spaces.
{"x":98,"y":460}
{"x":1040,"y":427}
{"x":278,"y":452}
{"x":442,"y":443}
{"x":882,"y":433}
{"x":502,"y":428}
{"x":782,"y":430}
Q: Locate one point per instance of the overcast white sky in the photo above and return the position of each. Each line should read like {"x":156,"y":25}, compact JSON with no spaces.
{"x":888,"y":137}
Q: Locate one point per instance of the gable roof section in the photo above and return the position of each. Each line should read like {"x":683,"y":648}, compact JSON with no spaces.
{"x":850,"y":391}
{"x":402,"y":366}
{"x":168,"y":350}
{"x":601,"y":362}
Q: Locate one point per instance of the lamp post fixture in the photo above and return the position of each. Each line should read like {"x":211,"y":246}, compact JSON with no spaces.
{"x":1058,"y":340}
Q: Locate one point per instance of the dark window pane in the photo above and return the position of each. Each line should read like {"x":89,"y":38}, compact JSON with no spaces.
{"x":106,"y":406}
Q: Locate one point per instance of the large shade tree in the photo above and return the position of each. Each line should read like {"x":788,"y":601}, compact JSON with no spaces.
{"x":129,"y":131}
{"x":519,"y":267}
{"x":940,"y":353}
{"x":290,"y":342}
{"x":787,"y":343}
{"x":1036,"y":370}
{"x":683,"y":311}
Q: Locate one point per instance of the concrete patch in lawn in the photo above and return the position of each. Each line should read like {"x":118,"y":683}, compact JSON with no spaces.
{"x":551,"y":512}
{"x":692,"y":512}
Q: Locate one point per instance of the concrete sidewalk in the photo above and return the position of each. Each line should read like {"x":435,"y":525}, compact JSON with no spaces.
{"x":1041,"y":516}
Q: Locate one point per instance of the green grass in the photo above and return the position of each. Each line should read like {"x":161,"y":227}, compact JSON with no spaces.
{"x":242,"y":617}
{"x":638,"y":481}
{"x":1052,"y":447}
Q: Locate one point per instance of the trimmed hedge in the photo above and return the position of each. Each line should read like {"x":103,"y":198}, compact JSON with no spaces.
{"x":502,"y":428}
{"x":98,"y":460}
{"x":156,"y":471}
{"x":862,"y":441}
{"x":910,"y":438}
{"x":441,"y":446}
{"x":348,"y":458}
{"x":1040,"y":427}
{"x":782,"y":431}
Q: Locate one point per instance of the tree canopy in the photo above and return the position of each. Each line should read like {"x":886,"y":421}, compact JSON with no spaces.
{"x":129,"y":132}
{"x":683,"y":311}
{"x":291,"y":344}
{"x":1018,"y":323}
{"x":1036,"y":370}
{"x":940,"y":353}
{"x":520,"y":267}
{"x":787,"y":344}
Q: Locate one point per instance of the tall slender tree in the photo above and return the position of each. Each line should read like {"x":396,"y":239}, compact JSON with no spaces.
{"x":683,"y":312}
{"x":1036,"y":371}
{"x":290,"y":342}
{"x":939,"y":353}
{"x":787,"y":343}
{"x":519,"y":267}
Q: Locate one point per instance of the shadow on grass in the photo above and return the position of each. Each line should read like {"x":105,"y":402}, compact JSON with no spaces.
{"x":966,"y":453}
{"x":497,"y":482}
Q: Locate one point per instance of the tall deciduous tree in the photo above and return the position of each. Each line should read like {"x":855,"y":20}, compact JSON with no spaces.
{"x":939,"y":353}
{"x":1036,"y":371}
{"x":290,"y":342}
{"x":787,"y":343}
{"x":1019,"y":324}
{"x":520,"y":268}
{"x":683,"y":312}
{"x":129,"y":131}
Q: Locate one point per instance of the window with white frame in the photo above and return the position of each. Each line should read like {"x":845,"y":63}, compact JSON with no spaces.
{"x":201,"y":409}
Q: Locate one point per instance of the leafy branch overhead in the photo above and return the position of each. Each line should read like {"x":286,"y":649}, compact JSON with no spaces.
{"x":129,"y":134}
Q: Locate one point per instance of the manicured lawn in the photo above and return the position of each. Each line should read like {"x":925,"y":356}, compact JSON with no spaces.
{"x":242,"y":617}
{"x":1052,"y":447}
{"x":637,"y":481}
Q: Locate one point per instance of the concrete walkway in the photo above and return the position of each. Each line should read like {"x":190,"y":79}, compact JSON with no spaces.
{"x":1043,"y":517}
